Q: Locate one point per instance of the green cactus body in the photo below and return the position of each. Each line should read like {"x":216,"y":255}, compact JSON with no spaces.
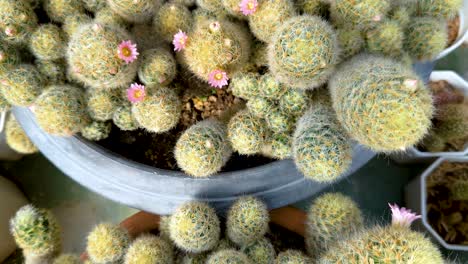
{"x":294,"y":102}
{"x":108,"y":17}
{"x":59,"y":10}
{"x":102,"y":103}
{"x":37,"y":232}
{"x":158,"y":67}
{"x":269,"y":17}
{"x":351,"y":41}
{"x":245,"y":85}
{"x":17,"y":21}
{"x":93,"y":57}
{"x":303,"y":53}
{"x":17,"y":139}
{"x":164,"y":227}
{"x":74,"y":22}
{"x":386,"y":38}
{"x":61,"y":110}
{"x":278,"y":146}
{"x":225,"y":243}
{"x":21,"y":85}
{"x":433,"y":142}
{"x":261,"y":252}
{"x":215,"y":6}
{"x":321,"y":149}
{"x":203,"y":149}
{"x":195,"y":227}
{"x":363,"y":14}
{"x":123,"y":118}
{"x":4,"y":105}
{"x":107,"y":243}
{"x":278,"y":121}
{"x":94,"y":5}
{"x":292,"y":257}
{"x":9,"y":56}
{"x":381,"y":103}
{"x":246,"y":133}
{"x":459,"y":190}
{"x":138,"y":12}
{"x":170,"y":19}
{"x":401,"y":14}
{"x":201,"y":14}
{"x":446,"y":9}
{"x":217,"y":45}
{"x":260,"y":107}
{"x":247,"y":221}
{"x":194,"y":258}
{"x":453,"y":122}
{"x":96,"y":130}
{"x":269,"y":87}
{"x":331,"y":218}
{"x":228,"y":256}
{"x":53,"y":71}
{"x":48,"y":42}
{"x":149,"y":249}
{"x":384,"y":245}
{"x":425,"y":38}
{"x":232,"y":7}
{"x":160,"y":110}
{"x":313,"y":7}
{"x":67,"y":259}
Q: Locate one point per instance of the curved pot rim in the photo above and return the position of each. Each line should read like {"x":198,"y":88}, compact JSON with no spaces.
{"x":462,"y":34}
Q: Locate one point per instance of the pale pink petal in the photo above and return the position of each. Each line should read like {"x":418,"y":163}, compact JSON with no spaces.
{"x":180,"y":41}
{"x":127,"y":51}
{"x":9,"y":31}
{"x":136,"y":93}
{"x":218,"y":78}
{"x":248,"y":7}
{"x":402,"y":216}
{"x":377,"y":18}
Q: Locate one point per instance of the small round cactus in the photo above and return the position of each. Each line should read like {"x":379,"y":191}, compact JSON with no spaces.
{"x":246,"y":133}
{"x":228,"y":256}
{"x":164,"y":227}
{"x":108,"y":17}
{"x":194,"y":259}
{"x":159,"y":111}
{"x":61,"y":110}
{"x":4,"y":105}
{"x":294,"y":102}
{"x":59,"y":10}
{"x":278,"y":121}
{"x":269,"y":87}
{"x":459,"y":190}
{"x":233,"y":8}
{"x":452,"y":122}
{"x":93,"y":57}
{"x":386,"y":38}
{"x":321,"y":149}
{"x":313,"y":7}
{"x":22,"y":84}
{"x":74,"y":22}
{"x":351,"y":41}
{"x":107,"y":243}
{"x":278,"y":146}
{"x":102,"y":103}
{"x":260,"y":107}
{"x":303,"y":53}
{"x":37,"y":232}
{"x":245,"y":85}
{"x":269,"y":17}
{"x":67,"y":259}
{"x":439,"y":8}
{"x":48,"y":42}
{"x":135,"y":11}
{"x":94,"y":5}
{"x":225,"y":243}
{"x":123,"y":118}
{"x":195,"y":227}
{"x":158,"y":67}
{"x":292,"y":257}
{"x":261,"y":252}
{"x":391,"y":110}
{"x":172,"y":18}
{"x":149,"y":249}
{"x":401,"y":14}
{"x":9,"y":56}
{"x":17,"y":21}
{"x":331,"y":218}
{"x":247,"y":221}
{"x":17,"y":139}
{"x":215,"y":6}
{"x":425,"y":38}
{"x":96,"y":130}
{"x":363,"y":14}
{"x":54,"y":71}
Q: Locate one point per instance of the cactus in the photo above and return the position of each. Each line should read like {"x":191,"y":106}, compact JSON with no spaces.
{"x":93,"y":57}
{"x":391,"y":110}
{"x":123,"y":118}
{"x":149,"y":249}
{"x":164,"y":227}
{"x":158,"y":112}
{"x":21,"y":85}
{"x":269,"y":17}
{"x":188,"y":3}
{"x":225,"y":244}
{"x":170,"y":19}
{"x":228,"y":256}
{"x":53,"y":71}
{"x":452,"y":122}
{"x":215,"y":6}
{"x":194,"y":259}
{"x":37,"y":232}
{"x":259,"y":54}
{"x":61,"y":110}
{"x":17,"y":21}
{"x":278,"y":146}
{"x":158,"y":67}
{"x":195,"y":227}
{"x":102,"y":103}
{"x":260,"y":252}
{"x":313,"y":7}
{"x":446,"y":9}
{"x":94,"y":5}
{"x":107,"y":243}
{"x":245,"y":85}
{"x":386,"y":38}
{"x":232,"y":7}
{"x":321,"y":149}
{"x":4,"y":105}
{"x":59,"y":10}
{"x":96,"y":130}
{"x":67,"y":259}
{"x":401,"y":14}
{"x":9,"y":56}
{"x":332,"y":217}
{"x":74,"y":22}
{"x":279,"y":122}
{"x":17,"y":139}
{"x":293,"y":102}
{"x":363,"y":14}
{"x":350,"y":40}
{"x":108,"y":17}
{"x":303,"y":53}
{"x":135,"y":11}
{"x":459,"y":190}
{"x":48,"y":42}
{"x":246,"y":133}
{"x":425,"y":38}
{"x":292,"y":257}
{"x":269,"y":87}
{"x":217,"y":45}
{"x":260,"y":107}
{"x":247,"y":221}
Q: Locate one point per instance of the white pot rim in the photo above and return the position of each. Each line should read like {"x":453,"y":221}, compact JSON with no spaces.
{"x":462,"y":35}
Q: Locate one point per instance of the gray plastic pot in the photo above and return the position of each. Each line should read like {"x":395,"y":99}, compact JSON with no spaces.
{"x":161,"y":191}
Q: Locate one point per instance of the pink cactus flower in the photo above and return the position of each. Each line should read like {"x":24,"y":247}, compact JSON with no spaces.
{"x":9,"y":31}
{"x":180,"y":41}
{"x":411,"y":83}
{"x":377,"y":18}
{"x":402,"y":216}
{"x":248,"y":7}
{"x":218,"y":78}
{"x":136,"y":93}
{"x":128,"y":51}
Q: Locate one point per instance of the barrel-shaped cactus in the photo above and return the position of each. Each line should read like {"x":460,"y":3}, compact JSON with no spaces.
{"x":245,"y":85}
{"x":386,"y":38}
{"x":269,"y":87}
{"x":278,"y":121}
{"x":59,"y":10}
{"x":48,"y":42}
{"x":293,"y":102}
{"x":101,"y":104}
{"x":261,"y":252}
{"x":55,"y":72}
{"x":269,"y":16}
{"x":452,"y":122}
{"x":17,"y":139}
{"x":149,"y":249}
{"x":123,"y":118}
{"x":172,"y":18}
{"x":363,"y":14}
{"x":278,"y":146}
{"x":350,"y":40}
{"x":10,"y":56}
{"x":22,"y":84}
{"x":260,"y":107}
{"x":17,"y":21}
{"x":135,"y":11}
{"x":292,"y":257}
{"x":425,"y":38}
{"x":72,"y":23}
{"x":158,"y":67}
{"x":246,"y":132}
{"x":446,"y":9}
{"x":107,"y":243}
{"x":228,"y":256}
{"x":96,"y":130}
